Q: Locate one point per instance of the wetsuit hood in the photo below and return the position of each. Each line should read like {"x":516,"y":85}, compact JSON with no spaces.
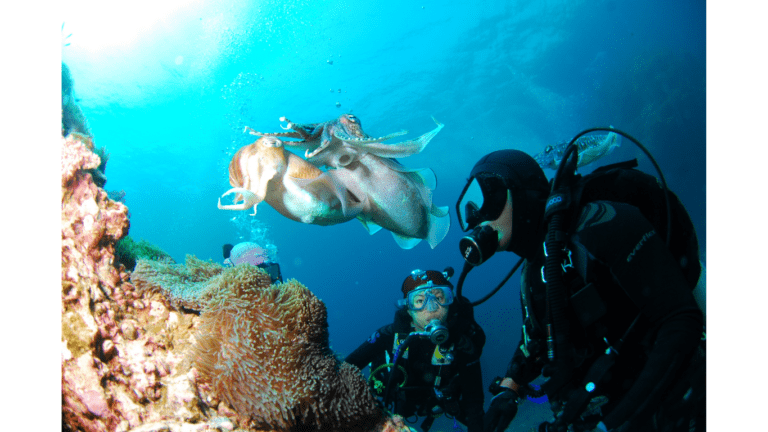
{"x":529,"y":189}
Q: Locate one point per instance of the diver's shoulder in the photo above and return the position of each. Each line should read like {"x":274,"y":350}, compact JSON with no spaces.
{"x":606,"y":213}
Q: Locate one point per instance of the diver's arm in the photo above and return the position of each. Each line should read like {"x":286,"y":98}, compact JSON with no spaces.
{"x":381,"y":340}
{"x":472,"y":396}
{"x":645,"y":269}
{"x":521,"y":371}
{"x":503,"y":408}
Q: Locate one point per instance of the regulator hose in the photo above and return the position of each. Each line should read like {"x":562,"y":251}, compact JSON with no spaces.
{"x":468,"y":267}
{"x":398,"y":354}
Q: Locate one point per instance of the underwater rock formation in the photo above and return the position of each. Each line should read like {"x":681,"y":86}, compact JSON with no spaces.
{"x":119,"y":346}
{"x":134,"y":360}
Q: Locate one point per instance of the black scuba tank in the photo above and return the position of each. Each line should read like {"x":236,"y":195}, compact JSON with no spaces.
{"x":622,"y":182}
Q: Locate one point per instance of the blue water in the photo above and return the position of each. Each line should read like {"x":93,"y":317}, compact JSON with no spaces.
{"x":167,"y":90}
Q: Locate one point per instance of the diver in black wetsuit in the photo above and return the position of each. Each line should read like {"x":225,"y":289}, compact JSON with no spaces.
{"x":437,"y":343}
{"x":632,"y":327}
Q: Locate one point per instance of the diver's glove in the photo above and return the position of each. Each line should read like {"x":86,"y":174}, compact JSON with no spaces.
{"x":501,"y":412}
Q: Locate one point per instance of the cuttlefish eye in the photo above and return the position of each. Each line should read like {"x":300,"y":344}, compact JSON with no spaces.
{"x":272,"y":142}
{"x":352,"y":118}
{"x":547,"y":149}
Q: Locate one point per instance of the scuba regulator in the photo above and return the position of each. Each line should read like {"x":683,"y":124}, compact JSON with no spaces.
{"x":479,"y":245}
{"x":435,"y":331}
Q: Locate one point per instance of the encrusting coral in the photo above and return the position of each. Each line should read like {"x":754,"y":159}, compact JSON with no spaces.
{"x":134,"y":360}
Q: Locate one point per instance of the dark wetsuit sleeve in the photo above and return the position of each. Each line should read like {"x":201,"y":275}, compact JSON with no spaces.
{"x":522,"y":369}
{"x":621,"y":238}
{"x":472,"y":396}
{"x":381,"y":340}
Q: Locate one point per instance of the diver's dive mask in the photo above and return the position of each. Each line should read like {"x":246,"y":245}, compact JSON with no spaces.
{"x":428,"y":296}
{"x":483,"y":199}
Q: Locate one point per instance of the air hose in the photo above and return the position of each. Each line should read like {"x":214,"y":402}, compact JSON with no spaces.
{"x":378,"y":384}
{"x":398,"y":354}
{"x":468,"y":267}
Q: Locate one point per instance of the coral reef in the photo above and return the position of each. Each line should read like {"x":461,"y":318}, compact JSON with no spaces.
{"x":73,"y":122}
{"x":117,"y":344}
{"x":134,"y":360}
{"x":186,"y":286}
{"x":91,"y":223}
{"x":127,"y":251}
{"x":264,"y":350}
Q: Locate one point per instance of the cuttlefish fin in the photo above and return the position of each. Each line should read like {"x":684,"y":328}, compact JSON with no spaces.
{"x":439,"y":224}
{"x":406,"y":242}
{"x":398,"y":150}
{"x":370,"y":226}
{"x":438,"y":211}
{"x":426,"y":175}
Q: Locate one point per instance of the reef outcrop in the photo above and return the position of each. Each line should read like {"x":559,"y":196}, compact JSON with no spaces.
{"x":192,"y":347}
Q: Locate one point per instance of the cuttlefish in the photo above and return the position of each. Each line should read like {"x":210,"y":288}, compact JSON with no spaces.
{"x":589,"y":149}
{"x":362,"y":181}
{"x":266,"y":171}
{"x":395,"y":198}
{"x":337,"y":143}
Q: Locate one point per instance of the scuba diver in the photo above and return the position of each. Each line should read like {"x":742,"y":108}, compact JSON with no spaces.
{"x":609,"y":317}
{"x":251,"y":253}
{"x":427,"y":362}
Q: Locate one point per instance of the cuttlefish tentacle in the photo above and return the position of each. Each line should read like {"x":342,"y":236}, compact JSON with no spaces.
{"x":325,"y":141}
{"x":275,"y":134}
{"x":398,"y":150}
{"x":308,"y":132}
{"x":249,"y":200}
{"x":298,"y":129}
{"x":369,"y":140}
